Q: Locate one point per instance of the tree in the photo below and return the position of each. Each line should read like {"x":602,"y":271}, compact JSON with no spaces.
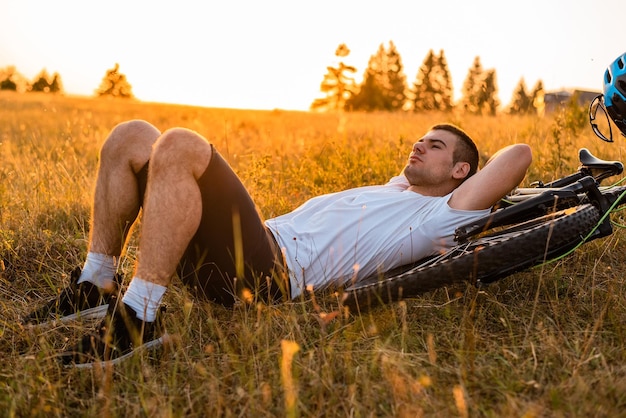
{"x":338,"y":85}
{"x":41,"y":83}
{"x":393,"y":75}
{"x":432,"y":89}
{"x":424,"y":85}
{"x":536,"y":97}
{"x":56,"y":86}
{"x":444,"y":80}
{"x":471,"y":86}
{"x":521,"y":102}
{"x":11,"y":79}
{"x":384,"y":83}
{"x":371,"y":94}
{"x":8,"y":84}
{"x":50,"y":84}
{"x":488,"y":97}
{"x":114,"y":84}
{"x":480,"y":90}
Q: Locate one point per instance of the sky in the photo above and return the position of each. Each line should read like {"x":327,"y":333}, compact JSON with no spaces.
{"x":273,"y":54}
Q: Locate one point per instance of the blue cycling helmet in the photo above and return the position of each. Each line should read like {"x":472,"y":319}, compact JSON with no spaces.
{"x":615,"y":92}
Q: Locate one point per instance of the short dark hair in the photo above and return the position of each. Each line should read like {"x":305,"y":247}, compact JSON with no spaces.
{"x":465,"y":151}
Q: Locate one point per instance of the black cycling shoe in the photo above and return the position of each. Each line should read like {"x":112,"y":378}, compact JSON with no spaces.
{"x":77,"y":301}
{"x":120,"y":335}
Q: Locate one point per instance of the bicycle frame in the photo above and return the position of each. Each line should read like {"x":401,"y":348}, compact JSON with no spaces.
{"x":528,"y":203}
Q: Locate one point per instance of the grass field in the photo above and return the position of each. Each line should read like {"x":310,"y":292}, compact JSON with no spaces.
{"x":546,"y":342}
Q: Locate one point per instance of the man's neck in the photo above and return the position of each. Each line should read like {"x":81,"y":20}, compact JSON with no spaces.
{"x":432,"y":191}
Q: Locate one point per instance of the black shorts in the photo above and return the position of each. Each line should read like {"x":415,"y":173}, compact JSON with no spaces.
{"x":231,"y":237}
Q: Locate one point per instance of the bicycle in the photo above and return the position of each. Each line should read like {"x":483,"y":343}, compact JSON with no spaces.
{"x":529,"y":227}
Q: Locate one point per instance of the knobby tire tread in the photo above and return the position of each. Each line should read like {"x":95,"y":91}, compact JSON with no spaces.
{"x":483,"y":260}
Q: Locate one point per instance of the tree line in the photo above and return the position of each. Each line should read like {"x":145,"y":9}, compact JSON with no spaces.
{"x":113,"y":84}
{"x":385,"y":87}
{"x":10,"y":79}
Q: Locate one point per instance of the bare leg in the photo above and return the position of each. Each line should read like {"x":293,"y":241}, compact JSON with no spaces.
{"x":116,"y":199}
{"x":173,"y":206}
{"x":116,"y":206}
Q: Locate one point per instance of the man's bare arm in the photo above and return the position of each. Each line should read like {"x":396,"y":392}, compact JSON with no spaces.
{"x":502,"y":173}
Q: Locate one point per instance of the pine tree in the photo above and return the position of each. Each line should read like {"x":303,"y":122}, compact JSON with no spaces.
{"x":480,"y":90}
{"x":337,"y":85}
{"x":471,"y":86}
{"x":445,"y":84}
{"x":520,"y":102}
{"x":41,"y":82}
{"x":56,"y":86}
{"x":488,"y":97}
{"x":432,"y":89}
{"x":423,"y":88}
{"x":11,"y":79}
{"x":536,"y":97}
{"x":384,"y":83}
{"x":114,"y":84}
{"x":371,"y":94}
{"x":393,"y":74}
{"x":8,"y":84}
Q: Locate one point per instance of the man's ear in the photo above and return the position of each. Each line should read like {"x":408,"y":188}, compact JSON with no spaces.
{"x":460,"y":170}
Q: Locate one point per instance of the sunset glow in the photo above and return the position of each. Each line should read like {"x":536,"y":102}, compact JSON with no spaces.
{"x":273,"y":54}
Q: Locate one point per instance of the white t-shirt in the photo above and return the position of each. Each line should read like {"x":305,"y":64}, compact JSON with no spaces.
{"x":338,"y":237}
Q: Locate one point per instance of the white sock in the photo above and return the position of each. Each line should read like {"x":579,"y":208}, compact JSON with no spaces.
{"x":99,"y":269}
{"x":144,"y":297}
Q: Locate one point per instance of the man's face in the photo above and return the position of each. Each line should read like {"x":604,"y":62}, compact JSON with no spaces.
{"x":431,"y":160}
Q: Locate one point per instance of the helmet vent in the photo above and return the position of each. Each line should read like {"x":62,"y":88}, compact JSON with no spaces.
{"x":621,"y":86}
{"x":620,"y":64}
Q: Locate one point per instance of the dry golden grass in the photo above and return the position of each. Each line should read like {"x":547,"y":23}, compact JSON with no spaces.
{"x":545,"y":342}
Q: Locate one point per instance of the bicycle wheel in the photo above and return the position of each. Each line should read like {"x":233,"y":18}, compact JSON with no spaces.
{"x":482,"y":260}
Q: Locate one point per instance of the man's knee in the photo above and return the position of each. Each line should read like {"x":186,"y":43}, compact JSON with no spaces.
{"x":133,"y":138}
{"x":181,"y":147}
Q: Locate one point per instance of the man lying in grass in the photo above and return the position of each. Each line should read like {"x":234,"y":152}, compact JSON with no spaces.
{"x":199,"y":221}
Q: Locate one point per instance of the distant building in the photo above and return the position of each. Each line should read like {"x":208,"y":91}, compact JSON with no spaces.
{"x":557,"y":99}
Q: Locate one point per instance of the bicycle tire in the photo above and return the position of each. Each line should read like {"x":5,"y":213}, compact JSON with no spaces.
{"x":480,"y":261}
